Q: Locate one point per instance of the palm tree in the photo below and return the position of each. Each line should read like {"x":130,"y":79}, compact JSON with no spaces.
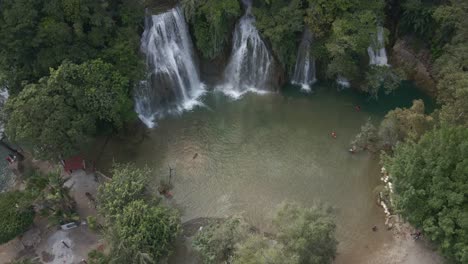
{"x":56,"y":200}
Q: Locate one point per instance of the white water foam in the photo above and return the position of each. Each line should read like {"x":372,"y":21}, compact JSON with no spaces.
{"x":304,"y":70}
{"x":250,"y":67}
{"x":173,"y":84}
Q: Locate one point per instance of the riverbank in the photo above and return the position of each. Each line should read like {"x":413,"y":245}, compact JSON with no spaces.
{"x":404,"y":250}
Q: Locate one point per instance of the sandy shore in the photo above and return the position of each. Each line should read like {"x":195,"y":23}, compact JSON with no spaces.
{"x":403,"y":249}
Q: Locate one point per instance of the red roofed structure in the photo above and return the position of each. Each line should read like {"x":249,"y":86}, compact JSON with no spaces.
{"x":73,"y":164}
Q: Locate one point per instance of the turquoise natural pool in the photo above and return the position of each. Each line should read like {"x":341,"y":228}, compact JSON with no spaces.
{"x":247,"y":156}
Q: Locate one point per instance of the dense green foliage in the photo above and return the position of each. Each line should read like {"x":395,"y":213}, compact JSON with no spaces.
{"x":217,"y":241}
{"x":60,"y":113}
{"x":399,"y":125}
{"x":17,"y":215}
{"x":308,"y":233}
{"x":137,"y":228}
{"x":451,"y":67}
{"x":41,"y":34}
{"x":443,"y":27}
{"x":417,"y":18}
{"x":94,"y":47}
{"x":366,"y":139}
{"x":342,"y":32}
{"x":403,"y":124}
{"x":143,"y":233}
{"x":281,"y":22}
{"x":430,"y":179}
{"x":382,"y":78}
{"x":212,"y":22}
{"x":259,"y":250}
{"x":352,"y":31}
{"x":429,"y":169}
{"x":302,"y":236}
{"x":128,"y":184}
{"x":55,"y":199}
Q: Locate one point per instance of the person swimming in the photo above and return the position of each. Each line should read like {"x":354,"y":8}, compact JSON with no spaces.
{"x":333,"y":134}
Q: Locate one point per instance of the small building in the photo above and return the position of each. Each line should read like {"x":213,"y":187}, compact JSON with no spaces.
{"x":73,"y":164}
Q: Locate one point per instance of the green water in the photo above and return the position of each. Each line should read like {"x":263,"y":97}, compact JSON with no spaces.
{"x":247,"y":156}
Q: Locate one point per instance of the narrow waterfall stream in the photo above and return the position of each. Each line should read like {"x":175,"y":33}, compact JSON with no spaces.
{"x":250,"y":67}
{"x":342,"y":82}
{"x":376,"y":51}
{"x":6,"y":175}
{"x":304,"y":70}
{"x":4,"y":94}
{"x":173,"y":82}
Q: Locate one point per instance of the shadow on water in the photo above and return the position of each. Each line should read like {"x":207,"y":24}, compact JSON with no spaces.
{"x":402,"y":97}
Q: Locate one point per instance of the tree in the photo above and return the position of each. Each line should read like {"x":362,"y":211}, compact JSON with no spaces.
{"x":453,"y":95}
{"x":259,"y":250}
{"x":212,"y":22}
{"x":216,"y":242}
{"x":322,"y":13}
{"x":17,"y":215}
{"x":59,"y":114}
{"x":430,"y":181}
{"x":308,"y":233}
{"x":403,"y":124}
{"x":56,"y":201}
{"x":380,"y":78}
{"x":281,"y":22}
{"x":450,"y":68}
{"x":417,"y":18}
{"x":351,"y":33}
{"x":137,"y":228}
{"x":143,"y":233}
{"x":128,"y":184}
{"x":38,"y":35}
{"x":303,"y":236}
{"x":367,"y":139}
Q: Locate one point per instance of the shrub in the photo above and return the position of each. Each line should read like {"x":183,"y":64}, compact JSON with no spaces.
{"x":17,"y":215}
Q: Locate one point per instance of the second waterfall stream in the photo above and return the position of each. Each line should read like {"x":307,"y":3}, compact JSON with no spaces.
{"x":304,"y":70}
{"x":250,"y":66}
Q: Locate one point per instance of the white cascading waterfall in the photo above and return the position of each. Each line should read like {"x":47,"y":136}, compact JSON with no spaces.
{"x":173,"y":83}
{"x":304,"y":70}
{"x":4,"y":95}
{"x":376,"y":51}
{"x":250,"y":67}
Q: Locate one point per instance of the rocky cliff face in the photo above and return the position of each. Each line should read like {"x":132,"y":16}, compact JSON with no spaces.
{"x":416,"y":64}
{"x":160,"y":6}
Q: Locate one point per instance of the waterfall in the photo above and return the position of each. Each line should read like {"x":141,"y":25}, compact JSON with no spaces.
{"x":4,"y":94}
{"x":172,"y":84}
{"x":250,"y":67}
{"x":304,"y":70}
{"x":376,"y":51}
{"x":342,"y":82}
